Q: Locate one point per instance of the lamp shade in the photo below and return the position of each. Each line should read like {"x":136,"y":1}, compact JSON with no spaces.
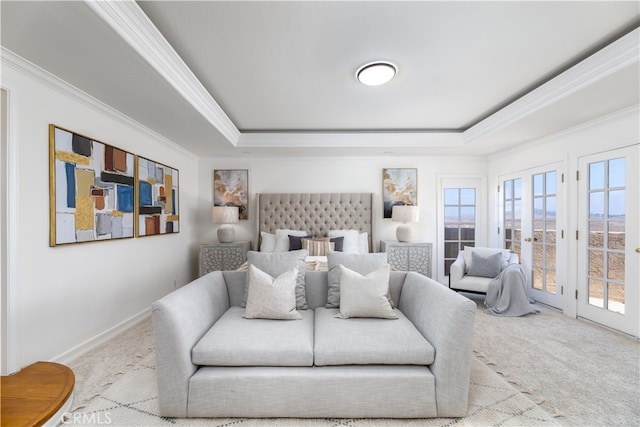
{"x":404,"y":213}
{"x":225,"y":214}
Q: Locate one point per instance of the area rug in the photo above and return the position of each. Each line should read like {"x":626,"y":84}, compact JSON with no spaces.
{"x":132,"y":400}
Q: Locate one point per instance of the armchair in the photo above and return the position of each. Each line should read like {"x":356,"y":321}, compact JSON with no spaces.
{"x":466,"y":276}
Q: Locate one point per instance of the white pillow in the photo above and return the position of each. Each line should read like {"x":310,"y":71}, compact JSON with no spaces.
{"x":484,"y":252}
{"x":352,"y":241}
{"x":271,"y":298}
{"x":282,"y":238}
{"x":365,"y":296}
{"x":364,"y":242}
{"x":267,"y":242}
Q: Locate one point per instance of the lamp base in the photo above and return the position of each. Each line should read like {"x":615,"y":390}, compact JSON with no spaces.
{"x":404,"y":233}
{"x":226,"y":233}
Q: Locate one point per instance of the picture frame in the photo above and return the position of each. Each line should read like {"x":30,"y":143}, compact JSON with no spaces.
{"x":231,"y":188}
{"x":157,"y":209}
{"x":399,"y":187}
{"x":91,"y":189}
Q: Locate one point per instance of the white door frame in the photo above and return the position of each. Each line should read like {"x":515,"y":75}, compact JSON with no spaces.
{"x":556,"y":300}
{"x":526,"y":248}
{"x":479,"y":182}
{"x":9,"y":362}
{"x":629,"y":322}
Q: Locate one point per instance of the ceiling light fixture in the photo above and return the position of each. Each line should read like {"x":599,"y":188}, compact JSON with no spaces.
{"x":376,"y":73}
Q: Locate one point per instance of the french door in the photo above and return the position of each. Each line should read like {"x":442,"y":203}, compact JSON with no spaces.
{"x":533,"y":228}
{"x":609,"y":239}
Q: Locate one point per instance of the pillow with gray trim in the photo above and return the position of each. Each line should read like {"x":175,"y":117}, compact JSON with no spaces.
{"x":271,"y":297}
{"x":360,"y":263}
{"x":485,"y":266}
{"x":276,"y":263}
{"x":365,"y":295}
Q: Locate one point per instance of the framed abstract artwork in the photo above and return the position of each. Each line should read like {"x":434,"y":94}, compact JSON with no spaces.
{"x":399,"y":187}
{"x":91,"y":189}
{"x":157,"y":195}
{"x":231,"y":188}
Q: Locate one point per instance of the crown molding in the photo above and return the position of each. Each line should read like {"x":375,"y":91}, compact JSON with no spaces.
{"x":350,"y":139}
{"x":27,"y":68}
{"x":134,"y":26}
{"x":612,"y":58}
{"x":631,"y":112}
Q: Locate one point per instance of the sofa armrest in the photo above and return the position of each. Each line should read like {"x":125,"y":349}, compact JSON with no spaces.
{"x":446,"y":319}
{"x":180,"y":319}
{"x":456,"y":271}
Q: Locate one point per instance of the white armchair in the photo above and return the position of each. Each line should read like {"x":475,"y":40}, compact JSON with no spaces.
{"x":461,"y":280}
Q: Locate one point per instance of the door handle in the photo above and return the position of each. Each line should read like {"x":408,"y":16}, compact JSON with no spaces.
{"x":528,"y":239}
{"x":638,"y":250}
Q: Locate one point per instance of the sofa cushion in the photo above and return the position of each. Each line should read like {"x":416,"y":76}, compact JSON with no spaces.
{"x":276,"y":263}
{"x":361,"y":341}
{"x":236,"y":341}
{"x":473,"y":284}
{"x":365,"y":295}
{"x":271,"y":297}
{"x":360,"y":263}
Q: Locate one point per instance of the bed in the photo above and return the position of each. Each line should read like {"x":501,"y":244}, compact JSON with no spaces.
{"x":316,"y":213}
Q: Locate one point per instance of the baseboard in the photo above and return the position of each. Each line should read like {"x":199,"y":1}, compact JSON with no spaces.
{"x":101,"y":338}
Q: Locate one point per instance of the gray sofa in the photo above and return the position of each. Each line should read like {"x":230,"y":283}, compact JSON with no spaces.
{"x":211,"y":362}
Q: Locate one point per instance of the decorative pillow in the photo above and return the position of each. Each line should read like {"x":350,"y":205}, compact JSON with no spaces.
{"x":271,"y":298}
{"x":485,"y":266}
{"x":276,"y":263}
{"x":363,"y":242}
{"x":338,"y":242}
{"x":295,"y":242}
{"x":351,"y":242}
{"x":267,"y":242}
{"x":360,"y":263}
{"x":468,"y":250}
{"x":318,"y":247}
{"x":365,"y":296}
{"x":282,"y":238}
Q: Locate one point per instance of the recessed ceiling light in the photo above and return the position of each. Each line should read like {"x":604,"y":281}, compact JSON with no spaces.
{"x":376,"y":73}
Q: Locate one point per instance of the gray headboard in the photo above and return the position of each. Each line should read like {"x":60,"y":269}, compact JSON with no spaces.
{"x":316,"y":212}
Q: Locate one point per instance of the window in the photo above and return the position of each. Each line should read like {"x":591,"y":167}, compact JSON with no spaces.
{"x":459,"y":222}
{"x":512,"y":204}
{"x":607,"y":207}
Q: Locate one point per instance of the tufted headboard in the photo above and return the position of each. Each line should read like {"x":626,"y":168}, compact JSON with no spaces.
{"x":316,"y":212}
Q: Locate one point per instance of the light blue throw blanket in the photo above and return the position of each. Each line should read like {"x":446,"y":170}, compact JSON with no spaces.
{"x":507,"y":294}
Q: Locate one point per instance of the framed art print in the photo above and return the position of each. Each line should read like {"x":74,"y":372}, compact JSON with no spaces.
{"x":91,"y":189}
{"x":231,"y":188}
{"x":157,"y":191}
{"x":399,"y":187}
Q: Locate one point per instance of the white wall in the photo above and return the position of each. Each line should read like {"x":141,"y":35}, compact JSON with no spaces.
{"x":333,"y":175}
{"x":618,"y":130}
{"x":70,"y":295}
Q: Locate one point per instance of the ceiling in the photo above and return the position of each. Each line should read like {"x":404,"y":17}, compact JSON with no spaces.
{"x":278,"y":78}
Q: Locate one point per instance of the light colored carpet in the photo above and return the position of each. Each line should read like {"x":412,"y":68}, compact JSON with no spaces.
{"x":581,"y":374}
{"x":584,"y":372}
{"x":133,"y":401}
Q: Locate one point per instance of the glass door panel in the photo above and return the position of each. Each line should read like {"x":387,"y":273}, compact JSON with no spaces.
{"x":607,"y":257}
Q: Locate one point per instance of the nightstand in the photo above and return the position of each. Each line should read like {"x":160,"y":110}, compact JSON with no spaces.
{"x":222,"y":256}
{"x":408,"y":256}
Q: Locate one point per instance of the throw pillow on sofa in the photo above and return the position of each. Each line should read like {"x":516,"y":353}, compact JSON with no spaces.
{"x":271,"y":297}
{"x":365,"y":295}
{"x":360,"y":263}
{"x":276,"y":263}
